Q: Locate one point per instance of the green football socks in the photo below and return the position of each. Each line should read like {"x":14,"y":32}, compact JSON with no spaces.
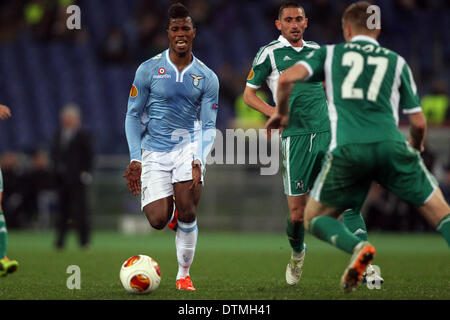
{"x":296,"y":234}
{"x":354,"y":221}
{"x":444,"y":228}
{"x":334,"y":232}
{"x":3,"y":236}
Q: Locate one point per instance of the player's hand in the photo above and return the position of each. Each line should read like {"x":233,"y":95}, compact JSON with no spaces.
{"x":196,"y":174}
{"x":133,"y":176}
{"x":276,"y":121}
{"x":420,"y":148}
{"x":5,"y":112}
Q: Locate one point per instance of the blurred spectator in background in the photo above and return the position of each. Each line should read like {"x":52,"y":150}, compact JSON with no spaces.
{"x":151,"y":40}
{"x":115,"y":48}
{"x":48,"y":20}
{"x":39,"y":16}
{"x":435,"y":104}
{"x":11,"y":19}
{"x":231,"y":101}
{"x":248,"y":117}
{"x":72,"y":157}
{"x":200,"y":12}
{"x":38,"y":196}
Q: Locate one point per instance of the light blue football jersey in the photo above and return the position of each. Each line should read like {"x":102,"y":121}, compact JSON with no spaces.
{"x":168,"y":108}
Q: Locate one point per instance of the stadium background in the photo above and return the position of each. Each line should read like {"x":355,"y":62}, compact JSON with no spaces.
{"x":44,"y":66}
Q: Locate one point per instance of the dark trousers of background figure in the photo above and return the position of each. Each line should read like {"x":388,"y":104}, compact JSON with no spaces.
{"x":74,"y":212}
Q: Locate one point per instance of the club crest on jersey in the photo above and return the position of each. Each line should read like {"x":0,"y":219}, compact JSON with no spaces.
{"x":161,"y":70}
{"x":196,"y":79}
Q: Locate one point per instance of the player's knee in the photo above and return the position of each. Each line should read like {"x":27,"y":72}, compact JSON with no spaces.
{"x":157,"y":222}
{"x":187,"y":214}
{"x":297,"y":214}
{"x":156,"y":219}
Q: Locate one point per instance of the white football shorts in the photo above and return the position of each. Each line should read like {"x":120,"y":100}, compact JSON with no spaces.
{"x":160,"y":170}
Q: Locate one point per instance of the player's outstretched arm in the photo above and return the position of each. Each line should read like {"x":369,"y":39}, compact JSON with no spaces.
{"x":5,"y":112}
{"x":255,"y":102}
{"x":417,"y":130}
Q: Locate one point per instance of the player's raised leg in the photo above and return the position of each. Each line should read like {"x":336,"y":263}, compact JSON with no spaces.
{"x":187,"y":199}
{"x":159,"y":212}
{"x":157,"y":200}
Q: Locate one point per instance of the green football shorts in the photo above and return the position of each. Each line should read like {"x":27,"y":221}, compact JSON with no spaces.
{"x":348,"y":171}
{"x":302,"y":159}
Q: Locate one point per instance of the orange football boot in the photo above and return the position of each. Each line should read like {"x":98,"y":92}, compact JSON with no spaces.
{"x":363,"y":254}
{"x":185,"y":284}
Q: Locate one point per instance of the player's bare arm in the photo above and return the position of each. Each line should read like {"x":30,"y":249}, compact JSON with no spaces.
{"x":255,"y":102}
{"x":133,"y":176}
{"x":418,"y":130}
{"x":5,"y":112}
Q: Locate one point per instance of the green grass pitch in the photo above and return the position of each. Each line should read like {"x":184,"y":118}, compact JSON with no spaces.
{"x":227,"y":266}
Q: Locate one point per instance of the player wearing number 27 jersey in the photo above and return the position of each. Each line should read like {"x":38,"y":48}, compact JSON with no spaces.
{"x":305,"y":139}
{"x":366,"y":85}
{"x":364,"y":78}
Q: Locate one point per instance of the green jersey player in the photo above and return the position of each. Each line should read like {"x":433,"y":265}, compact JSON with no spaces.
{"x":305,"y":139}
{"x":366,"y":84}
{"x":6,"y":266}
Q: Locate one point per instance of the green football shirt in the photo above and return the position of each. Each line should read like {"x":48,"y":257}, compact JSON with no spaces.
{"x":308,"y":111}
{"x":366,"y":85}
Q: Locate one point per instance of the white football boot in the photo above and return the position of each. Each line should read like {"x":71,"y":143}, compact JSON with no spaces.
{"x":294,"y":268}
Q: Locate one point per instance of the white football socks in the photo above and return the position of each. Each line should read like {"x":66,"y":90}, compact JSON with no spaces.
{"x":185,"y":242}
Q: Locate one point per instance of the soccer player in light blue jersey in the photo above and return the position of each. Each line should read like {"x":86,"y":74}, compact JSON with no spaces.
{"x":6,"y":265}
{"x":170,"y":129}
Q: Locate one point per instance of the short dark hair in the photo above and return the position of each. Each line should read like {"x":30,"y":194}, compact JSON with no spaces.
{"x":289,"y":4}
{"x":356,"y":15}
{"x":177,"y":11}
